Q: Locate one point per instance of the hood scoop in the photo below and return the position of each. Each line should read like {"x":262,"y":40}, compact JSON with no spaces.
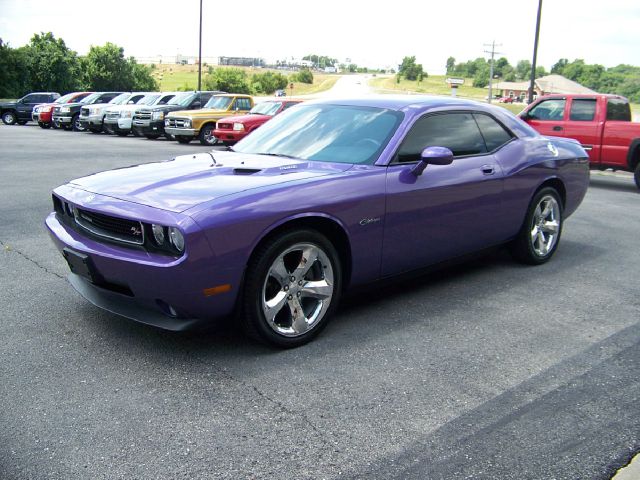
{"x":246,"y":171}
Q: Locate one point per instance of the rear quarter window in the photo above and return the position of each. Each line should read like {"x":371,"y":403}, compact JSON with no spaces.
{"x":495,"y":135}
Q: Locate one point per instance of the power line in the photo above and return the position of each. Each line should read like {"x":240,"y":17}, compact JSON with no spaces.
{"x":493,"y":53}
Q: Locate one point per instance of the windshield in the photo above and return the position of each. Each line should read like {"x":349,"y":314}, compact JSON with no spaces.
{"x":90,"y":98}
{"x":266,"y":108}
{"x":120,"y":99}
{"x":219,"y":103}
{"x":65,"y":98}
{"x":148,"y":99}
{"x":325,"y":133}
{"x":182,"y":99}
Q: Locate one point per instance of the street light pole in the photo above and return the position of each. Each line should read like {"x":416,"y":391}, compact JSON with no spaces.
{"x":200,"y":52}
{"x":535,"y":53}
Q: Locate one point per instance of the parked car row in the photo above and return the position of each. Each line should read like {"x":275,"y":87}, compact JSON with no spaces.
{"x":209,"y":116}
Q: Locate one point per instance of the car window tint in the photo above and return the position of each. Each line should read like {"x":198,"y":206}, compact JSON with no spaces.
{"x":494,"y":134}
{"x":618,"y":109}
{"x":583,"y":109}
{"x":456,"y":131}
{"x":552,"y":109}
{"x":29,"y":99}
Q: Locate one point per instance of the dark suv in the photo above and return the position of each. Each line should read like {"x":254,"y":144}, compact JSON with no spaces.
{"x":68,"y":116}
{"x":149,"y":121}
{"x":20,"y":111}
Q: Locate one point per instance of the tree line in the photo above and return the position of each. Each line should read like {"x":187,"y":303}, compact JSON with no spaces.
{"x":620,"y":80}
{"x":47,"y":64}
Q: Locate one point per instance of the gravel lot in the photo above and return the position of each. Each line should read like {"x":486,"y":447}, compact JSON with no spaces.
{"x":485,"y":370}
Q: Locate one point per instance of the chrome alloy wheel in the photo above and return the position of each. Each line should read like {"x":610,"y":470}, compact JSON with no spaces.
{"x":298,"y":289}
{"x":545,"y":225}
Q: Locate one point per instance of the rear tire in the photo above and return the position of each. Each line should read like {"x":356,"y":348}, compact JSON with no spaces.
{"x":292,"y":286}
{"x":539,"y":236}
{"x":9,"y":118}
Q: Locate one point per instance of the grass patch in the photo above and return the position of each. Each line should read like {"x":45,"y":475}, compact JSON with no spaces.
{"x":172,"y":77}
{"x":433,"y":85}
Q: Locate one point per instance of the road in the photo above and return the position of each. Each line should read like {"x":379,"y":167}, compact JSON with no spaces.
{"x":485,"y":370}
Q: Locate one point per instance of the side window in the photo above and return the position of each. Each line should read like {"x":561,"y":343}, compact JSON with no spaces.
{"x":30,"y":99}
{"x":134,"y":99}
{"x":456,"y":131}
{"x":494,"y":134}
{"x":618,"y":109}
{"x":106,"y":98}
{"x":241,"y":104}
{"x":289,"y":104}
{"x":165,"y":99}
{"x":583,"y":109}
{"x":548,"y":110}
{"x":204,"y":98}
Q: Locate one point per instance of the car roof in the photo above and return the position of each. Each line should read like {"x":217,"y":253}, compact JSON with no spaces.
{"x":401,"y":102}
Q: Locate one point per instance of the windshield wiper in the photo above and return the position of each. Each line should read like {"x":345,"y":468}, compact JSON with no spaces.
{"x":272,"y":154}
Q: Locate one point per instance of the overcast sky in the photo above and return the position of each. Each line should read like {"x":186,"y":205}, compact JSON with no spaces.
{"x":370,"y":33}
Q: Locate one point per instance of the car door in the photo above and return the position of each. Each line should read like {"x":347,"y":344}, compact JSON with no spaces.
{"x":548,"y":117}
{"x":584,"y":126}
{"x":449,"y":210}
{"x":25,"y":106}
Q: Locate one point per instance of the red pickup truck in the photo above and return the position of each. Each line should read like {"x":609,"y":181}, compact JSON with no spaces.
{"x":601,"y":123}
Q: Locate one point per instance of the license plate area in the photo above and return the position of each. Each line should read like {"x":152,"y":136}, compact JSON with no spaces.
{"x":80,"y":264}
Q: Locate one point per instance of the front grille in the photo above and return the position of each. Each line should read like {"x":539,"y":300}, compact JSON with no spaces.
{"x":113,"y":228}
{"x":143,"y":115}
{"x":177,"y":122}
{"x":84,"y":112}
{"x":224,"y":126}
{"x":112,"y":115}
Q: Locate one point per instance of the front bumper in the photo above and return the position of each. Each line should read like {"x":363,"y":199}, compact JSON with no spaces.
{"x":181,"y":132}
{"x":62,"y":119}
{"x":153,"y":289}
{"x":118,"y":125}
{"x":92,"y":121}
{"x":148,"y":127}
{"x":229,"y":135}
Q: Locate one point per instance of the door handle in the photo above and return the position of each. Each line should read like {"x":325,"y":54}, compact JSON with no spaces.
{"x":557,"y":128}
{"x":488,"y":170}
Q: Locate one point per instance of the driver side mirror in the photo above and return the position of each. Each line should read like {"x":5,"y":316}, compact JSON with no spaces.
{"x":433,"y":156}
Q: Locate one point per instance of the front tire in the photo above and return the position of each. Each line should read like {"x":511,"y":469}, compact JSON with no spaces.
{"x":44,"y":125}
{"x":539,"y":236}
{"x":9,"y":118}
{"x":76,"y":126}
{"x":292,"y":286}
{"x":151,"y":136}
{"x":183,"y":140}
{"x":206,"y":136}
{"x":636,"y":175}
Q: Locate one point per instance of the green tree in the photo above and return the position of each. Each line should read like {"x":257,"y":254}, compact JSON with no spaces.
{"x":143,"y":81}
{"x":268,"y":82}
{"x":232,"y":80}
{"x":51,"y":65}
{"x":410,"y":70}
{"x":14,"y":73}
{"x":481,"y":76}
{"x":303,"y":76}
{"x":451,"y":63}
{"x":106,"y":68}
{"x":558,"y":67}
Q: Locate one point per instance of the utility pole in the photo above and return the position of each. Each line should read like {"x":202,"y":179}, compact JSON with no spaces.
{"x":200,"y":52}
{"x":535,"y":54}
{"x":493,"y":53}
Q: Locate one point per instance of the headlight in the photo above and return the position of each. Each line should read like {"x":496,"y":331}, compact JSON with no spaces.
{"x":126,"y":114}
{"x":176,"y":239}
{"x":238,"y":127}
{"x":157,"y":115}
{"x":158,"y":234}
{"x":94,"y":111}
{"x":46,"y":109}
{"x":65,"y":109}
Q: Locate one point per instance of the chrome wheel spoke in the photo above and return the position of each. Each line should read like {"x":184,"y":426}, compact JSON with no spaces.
{"x":298,"y":320}
{"x":274,"y":305}
{"x":550,"y":227}
{"x":307,"y":259}
{"x":279,"y":271}
{"x":318,"y":289}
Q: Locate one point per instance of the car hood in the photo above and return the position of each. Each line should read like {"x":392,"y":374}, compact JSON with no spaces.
{"x":161,"y":108}
{"x":190,"y":180}
{"x":246,"y":119}
{"x":122,"y":108}
{"x":204,"y":112}
{"x":8,"y":104}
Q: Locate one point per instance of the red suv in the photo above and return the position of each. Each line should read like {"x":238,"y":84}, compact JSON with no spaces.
{"x":42,"y":113}
{"x":231,"y":129}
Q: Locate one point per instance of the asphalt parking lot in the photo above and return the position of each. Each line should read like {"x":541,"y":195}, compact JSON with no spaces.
{"x":484,"y":370}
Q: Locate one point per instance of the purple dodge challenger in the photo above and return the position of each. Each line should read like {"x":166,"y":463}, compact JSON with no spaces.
{"x":326,"y":196}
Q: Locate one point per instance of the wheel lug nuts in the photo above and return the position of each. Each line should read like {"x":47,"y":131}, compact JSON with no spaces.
{"x":300,"y":283}
{"x":289,"y":297}
{"x":298,"y":294}
{"x":286,"y":288}
{"x":293,"y":279}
